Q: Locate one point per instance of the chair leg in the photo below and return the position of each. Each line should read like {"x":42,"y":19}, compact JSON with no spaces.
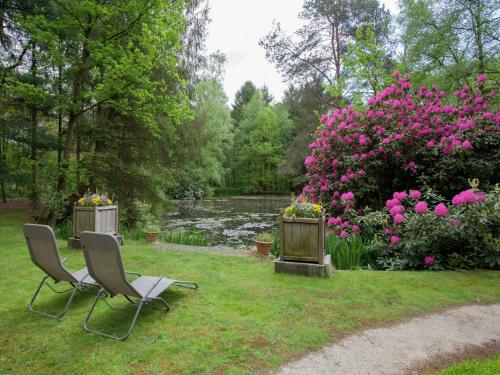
{"x":186,"y":284}
{"x":167,"y":307}
{"x":120,"y":338}
{"x":53,"y":316}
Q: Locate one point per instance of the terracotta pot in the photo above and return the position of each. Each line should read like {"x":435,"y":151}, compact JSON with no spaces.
{"x":263,"y":247}
{"x":152,"y":236}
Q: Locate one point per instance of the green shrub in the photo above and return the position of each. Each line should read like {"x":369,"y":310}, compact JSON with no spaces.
{"x":181,"y":237}
{"x":347,"y":253}
{"x":464,"y":234}
{"x":64,"y":230}
{"x":275,"y":248}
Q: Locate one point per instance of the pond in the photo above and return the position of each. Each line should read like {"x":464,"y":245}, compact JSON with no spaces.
{"x":227,"y":221}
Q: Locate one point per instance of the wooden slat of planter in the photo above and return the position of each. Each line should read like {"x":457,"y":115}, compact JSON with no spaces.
{"x":313,"y":240}
{"x":304,"y":240}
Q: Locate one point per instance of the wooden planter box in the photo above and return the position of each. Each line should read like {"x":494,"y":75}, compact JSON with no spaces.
{"x":302,"y":239}
{"x":102,"y":219}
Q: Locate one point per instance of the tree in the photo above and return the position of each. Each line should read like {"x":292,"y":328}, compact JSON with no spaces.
{"x":368,"y":65}
{"x":319,"y":47}
{"x":452,"y":40}
{"x":304,"y":104}
{"x":260,"y":144}
{"x":205,"y":141}
{"x":241,"y":98}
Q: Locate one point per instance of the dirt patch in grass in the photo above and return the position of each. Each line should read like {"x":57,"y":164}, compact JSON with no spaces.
{"x":444,"y":360}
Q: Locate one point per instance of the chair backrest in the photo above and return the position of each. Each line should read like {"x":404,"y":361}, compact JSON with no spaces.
{"x":44,"y":253}
{"x":104,"y":262}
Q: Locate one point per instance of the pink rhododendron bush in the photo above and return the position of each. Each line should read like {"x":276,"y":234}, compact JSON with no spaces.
{"x":422,"y":230}
{"x":407,"y":138}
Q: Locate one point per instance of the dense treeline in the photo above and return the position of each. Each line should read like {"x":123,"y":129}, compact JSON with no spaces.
{"x":120,"y":96}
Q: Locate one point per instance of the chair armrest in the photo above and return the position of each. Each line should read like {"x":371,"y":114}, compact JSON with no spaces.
{"x":133,"y":273}
{"x":136,"y":274}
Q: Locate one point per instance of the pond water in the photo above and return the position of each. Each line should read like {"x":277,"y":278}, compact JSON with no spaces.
{"x":227,"y":221}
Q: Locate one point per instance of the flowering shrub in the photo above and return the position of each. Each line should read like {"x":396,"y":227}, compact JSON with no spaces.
{"x":463,"y":234}
{"x":303,"y":208}
{"x":93,"y":200}
{"x":404,"y":135}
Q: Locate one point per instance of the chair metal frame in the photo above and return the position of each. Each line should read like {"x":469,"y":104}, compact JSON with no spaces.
{"x":81,"y":286}
{"x":143,"y":301}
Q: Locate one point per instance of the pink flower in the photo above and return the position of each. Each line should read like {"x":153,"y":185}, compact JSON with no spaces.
{"x":334,"y":221}
{"x":400,"y":195}
{"x":396,"y":210}
{"x":466,"y":145}
{"x":391,"y":203}
{"x":343,"y":179}
{"x":415,"y":194}
{"x":349,"y":196}
{"x":429,"y":261}
{"x":355,"y":228}
{"x":344,"y":234}
{"x":480,"y":78}
{"x":310,"y":160}
{"x":398,"y":218}
{"x":395,"y":240}
{"x":421,"y":207}
{"x":466,"y":196}
{"x":441,"y":210}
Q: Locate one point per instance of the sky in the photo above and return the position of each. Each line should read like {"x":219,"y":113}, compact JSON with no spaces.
{"x":236,"y":28}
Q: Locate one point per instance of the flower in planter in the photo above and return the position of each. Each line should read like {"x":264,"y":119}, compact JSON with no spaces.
{"x":94,"y":200}
{"x":304,"y":208}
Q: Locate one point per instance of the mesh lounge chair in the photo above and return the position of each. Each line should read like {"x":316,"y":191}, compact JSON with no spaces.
{"x":44,"y":253}
{"x":104,"y":262}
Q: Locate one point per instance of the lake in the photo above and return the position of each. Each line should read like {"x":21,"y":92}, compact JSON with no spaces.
{"x":226,"y":221}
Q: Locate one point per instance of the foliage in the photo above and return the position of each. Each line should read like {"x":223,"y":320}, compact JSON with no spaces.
{"x":205,"y":141}
{"x":275,"y":247}
{"x":94,"y":200}
{"x":260,"y":143}
{"x":264,"y":237}
{"x":304,"y":102}
{"x":367,"y":65}
{"x":405,"y":135}
{"x":347,"y":253}
{"x":449,"y":40}
{"x":146,"y":219}
{"x":193,"y":238}
{"x":303,"y":208}
{"x":93,"y":95}
{"x":413,"y":234}
{"x":64,"y":230}
{"x":241,"y":99}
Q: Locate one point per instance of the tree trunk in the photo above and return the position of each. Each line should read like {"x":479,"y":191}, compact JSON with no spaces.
{"x":34,"y":136}
{"x":74,"y":113}
{"x":3,"y":157}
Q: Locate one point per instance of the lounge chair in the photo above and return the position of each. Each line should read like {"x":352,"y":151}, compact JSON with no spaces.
{"x":104,"y":262}
{"x":44,"y":253}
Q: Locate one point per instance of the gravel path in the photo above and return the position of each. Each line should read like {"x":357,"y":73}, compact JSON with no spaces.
{"x":394,"y":350}
{"x":219,"y":250}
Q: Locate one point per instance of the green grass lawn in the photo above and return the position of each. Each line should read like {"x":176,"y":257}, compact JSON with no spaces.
{"x":483,"y":367}
{"x":244,"y":318}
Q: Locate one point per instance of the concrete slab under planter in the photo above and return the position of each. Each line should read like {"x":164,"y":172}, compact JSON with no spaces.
{"x":306,"y":269}
{"x":74,"y":242}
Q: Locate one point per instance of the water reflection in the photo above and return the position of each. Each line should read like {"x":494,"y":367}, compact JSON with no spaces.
{"x":231,"y":221}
